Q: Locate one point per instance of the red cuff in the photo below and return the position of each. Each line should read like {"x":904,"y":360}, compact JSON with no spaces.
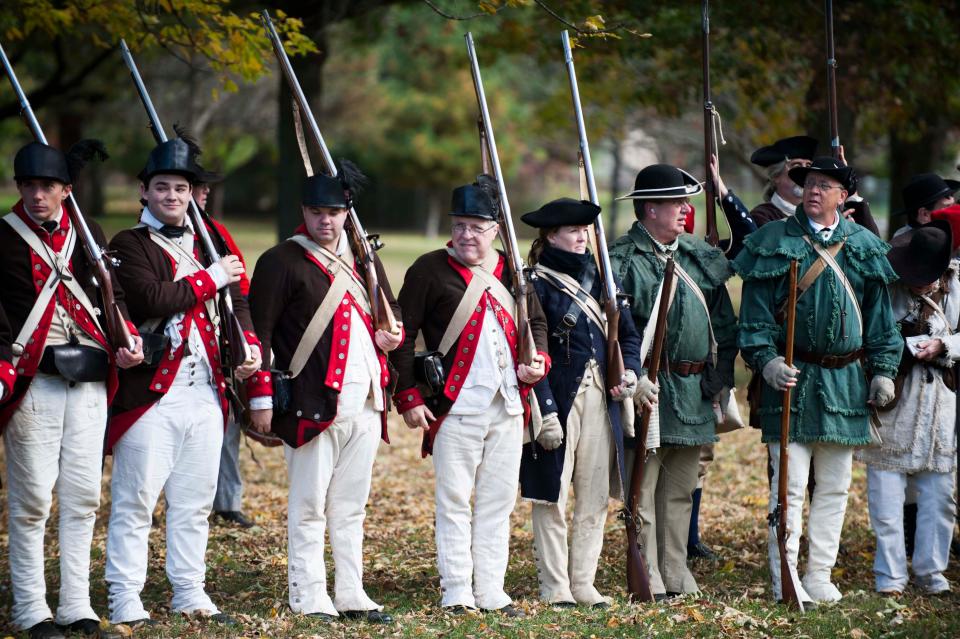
{"x":8,"y":375}
{"x":253,"y":340}
{"x":547,"y":362}
{"x":133,"y":329}
{"x":204,"y":288}
{"x":407,"y":399}
{"x":260,"y":384}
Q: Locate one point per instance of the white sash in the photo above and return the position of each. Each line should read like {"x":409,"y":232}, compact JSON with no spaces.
{"x":571,"y":287}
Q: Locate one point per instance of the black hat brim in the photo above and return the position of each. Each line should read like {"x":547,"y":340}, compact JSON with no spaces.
{"x":952,"y":187}
{"x":562,"y":212}
{"x":842,"y":175}
{"x":920,"y":270}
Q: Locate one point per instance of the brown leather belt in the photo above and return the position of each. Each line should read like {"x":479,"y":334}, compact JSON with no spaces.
{"x":683,"y":368}
{"x":829,"y":360}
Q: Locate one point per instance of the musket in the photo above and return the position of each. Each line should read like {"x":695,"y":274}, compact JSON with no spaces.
{"x":364,"y":246}
{"x":526,"y":349}
{"x":611,"y":297}
{"x":778,"y":517}
{"x":638,"y":578}
{"x":234,"y":349}
{"x":116,"y":326}
{"x":832,"y":82}
{"x":709,"y":136}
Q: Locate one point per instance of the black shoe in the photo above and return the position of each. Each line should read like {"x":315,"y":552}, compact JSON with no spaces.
{"x":224,"y":619}
{"x":807,"y":605}
{"x":955,"y":546}
{"x":236,"y":517}
{"x":509,"y":611}
{"x":45,"y":630}
{"x":146,"y":622}
{"x":702,"y":551}
{"x":370,"y":616}
{"x":88,"y":627}
{"x":322,"y":616}
{"x":600,"y":605}
{"x":563,"y":605}
{"x":457,"y":611}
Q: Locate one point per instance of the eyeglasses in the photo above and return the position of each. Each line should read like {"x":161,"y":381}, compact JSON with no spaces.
{"x":475,"y":229}
{"x":823,"y":187}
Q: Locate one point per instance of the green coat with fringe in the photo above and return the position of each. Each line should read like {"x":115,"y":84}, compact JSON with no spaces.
{"x":686,"y":416}
{"x":829,"y":405}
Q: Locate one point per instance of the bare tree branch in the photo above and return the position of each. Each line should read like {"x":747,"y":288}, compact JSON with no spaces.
{"x":450,"y":16}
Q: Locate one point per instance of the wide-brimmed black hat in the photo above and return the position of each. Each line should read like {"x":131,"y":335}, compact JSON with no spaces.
{"x":563,"y":212}
{"x":921,"y":255}
{"x":925,"y":189}
{"x":323,"y":190}
{"x":207,"y":177}
{"x":830,"y":167}
{"x":41,"y":161}
{"x":173,"y":157}
{"x":797,"y":147}
{"x":471,"y":200}
{"x":663,"y":182}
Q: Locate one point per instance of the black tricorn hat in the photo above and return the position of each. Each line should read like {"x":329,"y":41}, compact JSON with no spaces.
{"x":663,"y":182}
{"x":796,"y":147}
{"x":563,"y":212}
{"x":921,"y":255}
{"x":830,"y":167}
{"x":925,"y":189}
{"x":173,"y":157}
{"x":472,"y":200}
{"x":323,"y":190}
{"x":41,"y":161}
{"x":207,"y":177}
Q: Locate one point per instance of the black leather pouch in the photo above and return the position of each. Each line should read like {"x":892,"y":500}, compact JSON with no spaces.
{"x":154,"y":346}
{"x":428,"y":370}
{"x":78,"y":363}
{"x":282,"y":391}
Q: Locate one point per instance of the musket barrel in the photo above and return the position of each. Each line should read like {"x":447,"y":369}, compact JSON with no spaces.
{"x":492,"y":147}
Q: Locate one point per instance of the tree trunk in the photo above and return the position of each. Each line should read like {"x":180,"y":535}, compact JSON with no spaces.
{"x":615,"y":151}
{"x":88,"y":188}
{"x":290,"y":170}
{"x":909,"y":157}
{"x":435,"y":200}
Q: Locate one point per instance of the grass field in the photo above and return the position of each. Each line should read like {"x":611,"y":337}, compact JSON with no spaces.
{"x":246,"y":570}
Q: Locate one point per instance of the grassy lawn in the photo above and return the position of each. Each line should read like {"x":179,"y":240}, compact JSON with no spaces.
{"x":247,"y":577}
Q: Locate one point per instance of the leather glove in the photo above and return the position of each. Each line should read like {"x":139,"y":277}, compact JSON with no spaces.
{"x":551,"y":434}
{"x":646,"y":392}
{"x":629,"y":384}
{"x":881,"y":391}
{"x":778,"y":375}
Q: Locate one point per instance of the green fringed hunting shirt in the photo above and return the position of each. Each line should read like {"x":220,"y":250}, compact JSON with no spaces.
{"x":828,"y":405}
{"x":686,"y":416}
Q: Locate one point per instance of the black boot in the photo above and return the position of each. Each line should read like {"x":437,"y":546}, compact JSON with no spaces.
{"x":696,"y":549}
{"x":909,"y":527}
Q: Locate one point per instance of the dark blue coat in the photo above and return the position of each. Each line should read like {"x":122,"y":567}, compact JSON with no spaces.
{"x":540,"y":478}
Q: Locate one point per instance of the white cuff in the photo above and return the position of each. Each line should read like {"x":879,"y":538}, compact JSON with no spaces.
{"x":261,"y":403}
{"x":218,"y":275}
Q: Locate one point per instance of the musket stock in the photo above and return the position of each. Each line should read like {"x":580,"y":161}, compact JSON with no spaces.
{"x":116,"y":326}
{"x":779,"y":517}
{"x":638,"y":577}
{"x":363,"y":245}
{"x":611,"y":299}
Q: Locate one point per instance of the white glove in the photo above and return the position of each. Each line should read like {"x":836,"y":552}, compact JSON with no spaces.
{"x":646,"y":392}
{"x":629,"y":384}
{"x":778,"y":375}
{"x":881,"y":391}
{"x":551,"y":433}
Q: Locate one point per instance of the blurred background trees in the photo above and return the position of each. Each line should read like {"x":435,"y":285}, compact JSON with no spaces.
{"x":391,"y":89}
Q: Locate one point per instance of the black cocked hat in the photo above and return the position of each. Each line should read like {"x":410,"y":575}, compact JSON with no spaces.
{"x":323,"y":190}
{"x":925,"y":189}
{"x":663,"y":182}
{"x":173,"y":157}
{"x":563,"y":212}
{"x":472,"y":200}
{"x":921,"y":255}
{"x":830,"y":167}
{"x":797,"y":147}
{"x":41,"y":161}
